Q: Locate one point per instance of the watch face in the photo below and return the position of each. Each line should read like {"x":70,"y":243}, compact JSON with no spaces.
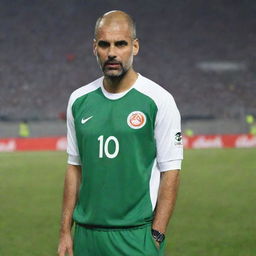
{"x":158,"y":236}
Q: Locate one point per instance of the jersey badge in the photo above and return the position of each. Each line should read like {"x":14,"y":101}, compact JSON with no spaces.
{"x":136,"y":119}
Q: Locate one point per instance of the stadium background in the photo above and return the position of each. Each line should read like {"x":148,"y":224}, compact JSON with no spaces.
{"x":203,"y":52}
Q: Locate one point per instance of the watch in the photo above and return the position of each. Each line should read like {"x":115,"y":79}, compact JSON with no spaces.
{"x":158,"y":236}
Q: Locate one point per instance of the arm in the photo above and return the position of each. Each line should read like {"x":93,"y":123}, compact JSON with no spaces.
{"x":169,"y":157}
{"x":71,"y":187}
{"x":167,"y":194}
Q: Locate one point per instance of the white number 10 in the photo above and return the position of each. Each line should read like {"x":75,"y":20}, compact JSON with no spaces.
{"x":104,"y":146}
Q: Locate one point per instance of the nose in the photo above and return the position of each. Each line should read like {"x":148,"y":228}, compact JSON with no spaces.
{"x":111,"y":52}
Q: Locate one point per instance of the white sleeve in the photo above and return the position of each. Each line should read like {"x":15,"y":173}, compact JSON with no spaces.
{"x":72,"y":148}
{"x":168,"y":135}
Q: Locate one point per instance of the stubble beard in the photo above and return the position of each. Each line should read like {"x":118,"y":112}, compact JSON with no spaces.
{"x":113,"y":74}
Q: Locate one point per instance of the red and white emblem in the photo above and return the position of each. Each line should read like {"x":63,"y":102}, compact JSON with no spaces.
{"x":136,"y":119}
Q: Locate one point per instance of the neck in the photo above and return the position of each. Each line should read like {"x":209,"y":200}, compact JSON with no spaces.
{"x":120,"y":84}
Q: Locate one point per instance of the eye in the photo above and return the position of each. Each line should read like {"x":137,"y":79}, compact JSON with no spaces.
{"x":103,"y":44}
{"x":121,"y":43}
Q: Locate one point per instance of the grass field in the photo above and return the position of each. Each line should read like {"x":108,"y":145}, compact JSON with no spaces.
{"x":215,"y":213}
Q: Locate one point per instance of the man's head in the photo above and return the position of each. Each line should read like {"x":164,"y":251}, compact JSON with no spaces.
{"x":115,"y":43}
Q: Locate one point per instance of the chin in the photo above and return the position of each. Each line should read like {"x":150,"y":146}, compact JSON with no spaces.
{"x":114,"y":74}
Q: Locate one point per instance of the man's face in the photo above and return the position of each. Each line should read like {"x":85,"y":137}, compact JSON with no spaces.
{"x":115,"y":48}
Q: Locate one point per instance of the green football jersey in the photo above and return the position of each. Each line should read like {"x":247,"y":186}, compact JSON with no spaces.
{"x":122,"y":142}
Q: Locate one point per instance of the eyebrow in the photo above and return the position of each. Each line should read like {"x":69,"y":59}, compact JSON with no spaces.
{"x":103,"y":43}
{"x":121,"y":42}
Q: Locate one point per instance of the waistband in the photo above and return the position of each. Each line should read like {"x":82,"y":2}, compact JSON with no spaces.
{"x":112,"y":228}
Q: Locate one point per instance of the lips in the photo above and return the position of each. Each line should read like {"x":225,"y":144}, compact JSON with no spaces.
{"x":112,"y":64}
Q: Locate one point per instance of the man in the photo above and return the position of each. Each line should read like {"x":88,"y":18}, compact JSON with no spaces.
{"x":123,"y":134}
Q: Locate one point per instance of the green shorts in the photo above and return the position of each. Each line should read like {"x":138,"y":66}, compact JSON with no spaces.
{"x":116,"y":242}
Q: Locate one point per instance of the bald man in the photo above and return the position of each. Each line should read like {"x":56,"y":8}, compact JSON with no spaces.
{"x":124,"y":154}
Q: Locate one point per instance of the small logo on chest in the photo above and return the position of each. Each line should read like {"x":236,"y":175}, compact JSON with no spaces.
{"x":83,"y":121}
{"x":136,"y":119}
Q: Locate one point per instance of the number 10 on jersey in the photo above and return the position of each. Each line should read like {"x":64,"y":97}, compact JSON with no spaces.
{"x":104,"y":146}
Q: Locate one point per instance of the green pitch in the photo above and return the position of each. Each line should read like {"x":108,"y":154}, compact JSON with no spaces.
{"x":214,"y":216}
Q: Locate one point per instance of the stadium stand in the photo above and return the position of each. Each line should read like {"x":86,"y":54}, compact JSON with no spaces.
{"x":46,"y":54}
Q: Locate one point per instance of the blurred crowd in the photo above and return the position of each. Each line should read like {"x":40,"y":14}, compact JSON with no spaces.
{"x":46,"y":53}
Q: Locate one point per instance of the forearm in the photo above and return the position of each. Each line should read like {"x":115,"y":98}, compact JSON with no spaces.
{"x":166,"y":199}
{"x":71,"y":187}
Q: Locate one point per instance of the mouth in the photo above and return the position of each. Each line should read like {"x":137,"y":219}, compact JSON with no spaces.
{"x":112,"y":65}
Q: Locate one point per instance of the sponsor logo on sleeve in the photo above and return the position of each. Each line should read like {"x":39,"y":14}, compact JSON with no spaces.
{"x":136,"y":119}
{"x":178,"y":138}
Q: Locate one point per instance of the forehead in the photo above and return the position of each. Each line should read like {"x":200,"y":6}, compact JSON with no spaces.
{"x":114,"y":31}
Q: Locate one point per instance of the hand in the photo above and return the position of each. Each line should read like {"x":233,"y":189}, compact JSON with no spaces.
{"x":157,"y":244}
{"x":65,"y":245}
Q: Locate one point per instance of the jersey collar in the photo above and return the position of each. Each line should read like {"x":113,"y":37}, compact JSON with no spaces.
{"x":116,"y":96}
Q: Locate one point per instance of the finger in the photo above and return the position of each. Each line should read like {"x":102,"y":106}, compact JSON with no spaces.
{"x":157,"y":244}
{"x":61,"y":251}
{"x":70,"y":251}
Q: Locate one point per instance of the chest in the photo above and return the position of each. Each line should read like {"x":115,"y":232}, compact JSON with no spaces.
{"x":96,"y":115}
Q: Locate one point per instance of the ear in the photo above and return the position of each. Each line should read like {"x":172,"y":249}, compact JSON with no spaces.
{"x":94,"y":47}
{"x":136,"y":46}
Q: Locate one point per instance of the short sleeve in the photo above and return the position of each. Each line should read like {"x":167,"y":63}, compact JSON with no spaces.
{"x":72,"y":148}
{"x":168,"y":135}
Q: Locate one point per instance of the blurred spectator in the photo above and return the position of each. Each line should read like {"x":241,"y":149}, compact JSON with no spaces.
{"x":24,"y":130}
{"x":253,"y":130}
{"x":189,"y":132}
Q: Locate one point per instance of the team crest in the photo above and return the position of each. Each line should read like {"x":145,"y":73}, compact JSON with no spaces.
{"x":136,"y":119}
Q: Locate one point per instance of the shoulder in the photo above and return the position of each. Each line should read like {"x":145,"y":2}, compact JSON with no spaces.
{"x":82,"y":91}
{"x":154,"y":91}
